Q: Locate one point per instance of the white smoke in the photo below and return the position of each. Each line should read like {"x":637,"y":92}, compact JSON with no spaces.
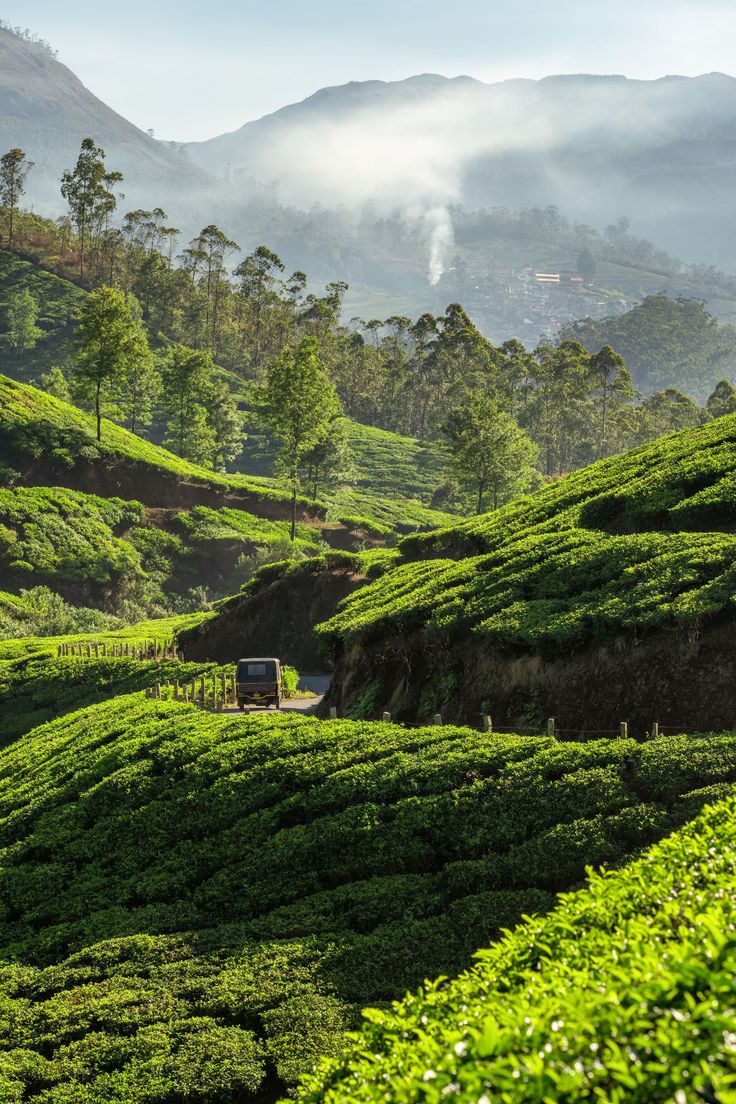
{"x":441,"y":239}
{"x":424,"y":150}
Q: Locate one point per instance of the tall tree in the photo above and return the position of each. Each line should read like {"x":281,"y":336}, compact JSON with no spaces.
{"x":22,"y":315}
{"x":138,"y":385}
{"x":186,"y":375}
{"x":298,"y":404}
{"x":14,"y":168}
{"x":110,"y":340}
{"x":329,"y":461}
{"x":225,"y":423}
{"x":603,"y":367}
{"x":489,"y":452}
{"x":88,"y":190}
{"x":258,"y":276}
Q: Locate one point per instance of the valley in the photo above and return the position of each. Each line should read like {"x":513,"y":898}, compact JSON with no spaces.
{"x":367,"y":573}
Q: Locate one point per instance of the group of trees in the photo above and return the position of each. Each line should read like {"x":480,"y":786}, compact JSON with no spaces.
{"x":501,"y":411}
{"x":665,"y":342}
{"x":115,"y":373}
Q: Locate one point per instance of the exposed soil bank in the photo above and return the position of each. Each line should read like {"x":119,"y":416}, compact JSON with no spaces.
{"x":156,"y":487}
{"x":685,"y":680}
{"x":277,"y":621}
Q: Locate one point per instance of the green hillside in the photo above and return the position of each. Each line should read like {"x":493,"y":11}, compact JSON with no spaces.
{"x":41,"y":431}
{"x":623,"y":993}
{"x":194,"y":907}
{"x":630,"y":546}
{"x":391,"y":478}
{"x":58,"y":301}
{"x":106,"y":552}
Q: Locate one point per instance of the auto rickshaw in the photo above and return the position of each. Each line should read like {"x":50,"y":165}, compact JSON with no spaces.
{"x":258,"y":682}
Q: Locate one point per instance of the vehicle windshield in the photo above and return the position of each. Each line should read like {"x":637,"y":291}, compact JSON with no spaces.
{"x":260,"y":671}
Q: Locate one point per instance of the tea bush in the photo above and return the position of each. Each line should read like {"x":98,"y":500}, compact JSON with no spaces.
{"x":609,"y":550}
{"x":65,"y":537}
{"x":623,"y":993}
{"x":194,"y":906}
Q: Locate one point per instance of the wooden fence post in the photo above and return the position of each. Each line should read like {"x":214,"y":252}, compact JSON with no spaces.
{"x":386,"y":717}
{"x":234,"y":687}
{"x":551,"y":726}
{"x":623,"y":730}
{"x":655,"y":730}
{"x":333,"y":713}
{"x":157,"y":690}
{"x":437,"y":719}
{"x":487,"y":723}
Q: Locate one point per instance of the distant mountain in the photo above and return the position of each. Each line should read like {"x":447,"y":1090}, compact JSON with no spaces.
{"x":660,"y":152}
{"x":384,"y":184}
{"x":47,"y":111}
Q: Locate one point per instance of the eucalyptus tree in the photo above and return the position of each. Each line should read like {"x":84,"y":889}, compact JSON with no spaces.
{"x":489,"y":452}
{"x":14,"y":168}
{"x":88,"y":188}
{"x":298,"y":404}
{"x":111,"y":344}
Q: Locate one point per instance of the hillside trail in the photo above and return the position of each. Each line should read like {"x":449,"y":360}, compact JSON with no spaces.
{"x":317,"y":685}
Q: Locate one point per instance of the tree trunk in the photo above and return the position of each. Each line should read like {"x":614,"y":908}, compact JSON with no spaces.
{"x":293,"y":510}
{"x":481,"y":489}
{"x":97,"y":411}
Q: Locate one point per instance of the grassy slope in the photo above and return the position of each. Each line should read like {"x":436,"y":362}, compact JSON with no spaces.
{"x":97,"y":551}
{"x":229,"y":889}
{"x":35,"y":424}
{"x":623,"y":993}
{"x":58,"y":301}
{"x":639,"y":541}
{"x":394,"y":476}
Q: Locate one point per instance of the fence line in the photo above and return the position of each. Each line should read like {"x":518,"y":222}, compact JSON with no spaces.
{"x":550,"y":728}
{"x":157,"y":650}
{"x":211,"y":692}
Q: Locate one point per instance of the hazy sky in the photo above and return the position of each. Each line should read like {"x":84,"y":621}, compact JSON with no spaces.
{"x":195,"y":69}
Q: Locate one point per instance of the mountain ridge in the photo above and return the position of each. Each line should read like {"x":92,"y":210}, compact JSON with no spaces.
{"x":46,"y":109}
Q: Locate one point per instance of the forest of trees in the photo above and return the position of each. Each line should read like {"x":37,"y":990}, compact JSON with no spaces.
{"x":550,"y":409}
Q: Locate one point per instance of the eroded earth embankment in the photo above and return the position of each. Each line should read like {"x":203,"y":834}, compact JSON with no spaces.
{"x":685,"y":681}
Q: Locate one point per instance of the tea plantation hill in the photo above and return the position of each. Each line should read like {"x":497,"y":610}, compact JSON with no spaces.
{"x":58,"y":302}
{"x":606,"y":596}
{"x":623,"y":993}
{"x":155,"y":524}
{"x":194,"y":907}
{"x":393,"y":477}
{"x":157,"y":527}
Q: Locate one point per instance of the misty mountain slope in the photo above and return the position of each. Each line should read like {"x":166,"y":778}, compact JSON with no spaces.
{"x":46,"y":110}
{"x":662,"y":152}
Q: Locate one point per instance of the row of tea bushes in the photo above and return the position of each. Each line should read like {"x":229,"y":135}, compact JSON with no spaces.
{"x":194,"y":906}
{"x":623,"y":993}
